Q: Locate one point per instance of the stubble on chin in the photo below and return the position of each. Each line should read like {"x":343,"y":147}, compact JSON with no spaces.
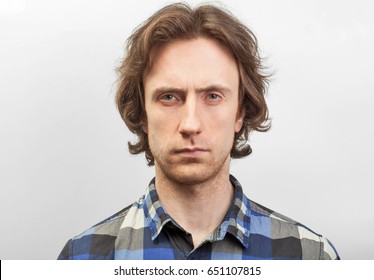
{"x":190,"y":172}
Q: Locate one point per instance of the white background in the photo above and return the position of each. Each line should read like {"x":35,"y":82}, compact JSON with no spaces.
{"x":64,"y":164}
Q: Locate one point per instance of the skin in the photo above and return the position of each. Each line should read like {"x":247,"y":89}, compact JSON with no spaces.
{"x":191,"y":101}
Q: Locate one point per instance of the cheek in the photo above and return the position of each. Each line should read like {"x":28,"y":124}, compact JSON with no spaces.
{"x":159,"y":124}
{"x":223,"y":126}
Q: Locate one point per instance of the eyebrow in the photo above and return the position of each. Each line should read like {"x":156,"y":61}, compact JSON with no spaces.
{"x":213,"y":87}
{"x":160,"y":90}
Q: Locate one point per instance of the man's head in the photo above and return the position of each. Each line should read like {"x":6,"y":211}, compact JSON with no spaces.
{"x":180,"y":26}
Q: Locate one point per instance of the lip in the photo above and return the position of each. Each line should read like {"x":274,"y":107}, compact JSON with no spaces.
{"x":191,"y":152}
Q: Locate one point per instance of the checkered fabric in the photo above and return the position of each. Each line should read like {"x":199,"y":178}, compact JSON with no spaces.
{"x":144,"y":230}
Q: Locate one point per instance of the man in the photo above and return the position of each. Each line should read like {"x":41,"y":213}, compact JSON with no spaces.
{"x":191,"y":89}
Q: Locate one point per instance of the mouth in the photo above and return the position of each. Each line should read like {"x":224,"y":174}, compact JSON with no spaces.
{"x":191,"y":152}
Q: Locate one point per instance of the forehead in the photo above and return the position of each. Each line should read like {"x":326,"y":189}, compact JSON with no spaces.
{"x":201,"y":60}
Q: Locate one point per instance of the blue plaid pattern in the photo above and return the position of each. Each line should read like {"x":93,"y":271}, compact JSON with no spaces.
{"x":144,"y":231}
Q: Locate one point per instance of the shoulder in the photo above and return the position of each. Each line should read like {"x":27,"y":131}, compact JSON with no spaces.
{"x":98,"y":242}
{"x":290,"y":238}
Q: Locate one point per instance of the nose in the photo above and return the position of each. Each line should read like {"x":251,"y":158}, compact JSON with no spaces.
{"x":190,"y":119}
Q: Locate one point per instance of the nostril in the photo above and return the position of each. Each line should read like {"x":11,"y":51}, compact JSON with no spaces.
{"x":190,"y":119}
{"x":190,"y":126}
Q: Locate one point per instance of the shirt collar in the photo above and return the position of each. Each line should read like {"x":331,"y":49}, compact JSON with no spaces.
{"x":154,"y":212}
{"x":236,"y":221}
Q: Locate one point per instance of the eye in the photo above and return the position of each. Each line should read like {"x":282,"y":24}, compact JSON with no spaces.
{"x":167,"y":97}
{"x":213,"y":97}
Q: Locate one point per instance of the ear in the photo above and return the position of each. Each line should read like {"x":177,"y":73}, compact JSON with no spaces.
{"x":145,"y":127}
{"x":239,"y":120}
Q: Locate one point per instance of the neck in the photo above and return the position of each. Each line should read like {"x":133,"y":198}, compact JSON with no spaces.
{"x":198,"y":208}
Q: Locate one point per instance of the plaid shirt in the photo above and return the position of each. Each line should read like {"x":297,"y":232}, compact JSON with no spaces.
{"x":144,"y":230}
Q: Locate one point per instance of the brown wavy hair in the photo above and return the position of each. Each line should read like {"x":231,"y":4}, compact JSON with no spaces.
{"x":180,"y":21}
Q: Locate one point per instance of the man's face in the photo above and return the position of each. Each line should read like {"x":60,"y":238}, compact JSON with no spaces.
{"x":191,"y":101}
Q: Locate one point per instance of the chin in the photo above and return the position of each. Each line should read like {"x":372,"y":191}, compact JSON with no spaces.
{"x":193,"y":174}
{"x":192,"y":171}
